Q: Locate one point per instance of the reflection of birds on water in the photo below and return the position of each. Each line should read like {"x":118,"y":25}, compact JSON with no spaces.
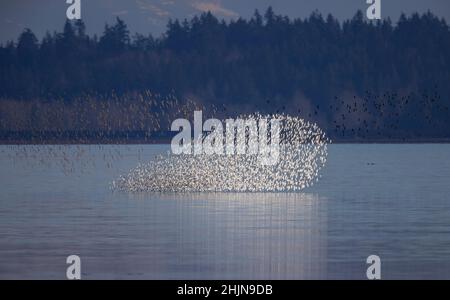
{"x":70,"y":159}
{"x":297,"y":249}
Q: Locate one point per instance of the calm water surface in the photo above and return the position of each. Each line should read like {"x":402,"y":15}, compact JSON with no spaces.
{"x":388,"y":200}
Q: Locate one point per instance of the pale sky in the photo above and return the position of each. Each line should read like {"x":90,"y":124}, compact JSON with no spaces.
{"x":151,"y":16}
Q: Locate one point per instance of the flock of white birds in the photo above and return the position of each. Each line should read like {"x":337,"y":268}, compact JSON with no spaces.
{"x":302,"y":149}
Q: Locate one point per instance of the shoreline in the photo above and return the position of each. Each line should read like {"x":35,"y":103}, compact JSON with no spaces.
{"x":85,"y":137}
{"x":167,"y":142}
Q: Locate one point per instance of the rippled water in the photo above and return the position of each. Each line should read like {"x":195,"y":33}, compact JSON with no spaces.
{"x":389,"y":200}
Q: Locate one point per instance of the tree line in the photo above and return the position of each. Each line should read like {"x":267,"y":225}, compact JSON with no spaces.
{"x":339,"y":73}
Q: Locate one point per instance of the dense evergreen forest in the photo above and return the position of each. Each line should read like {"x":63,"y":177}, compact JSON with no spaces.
{"x":357,"y":78}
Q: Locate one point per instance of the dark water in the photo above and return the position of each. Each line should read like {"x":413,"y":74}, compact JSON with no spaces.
{"x":388,"y":200}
